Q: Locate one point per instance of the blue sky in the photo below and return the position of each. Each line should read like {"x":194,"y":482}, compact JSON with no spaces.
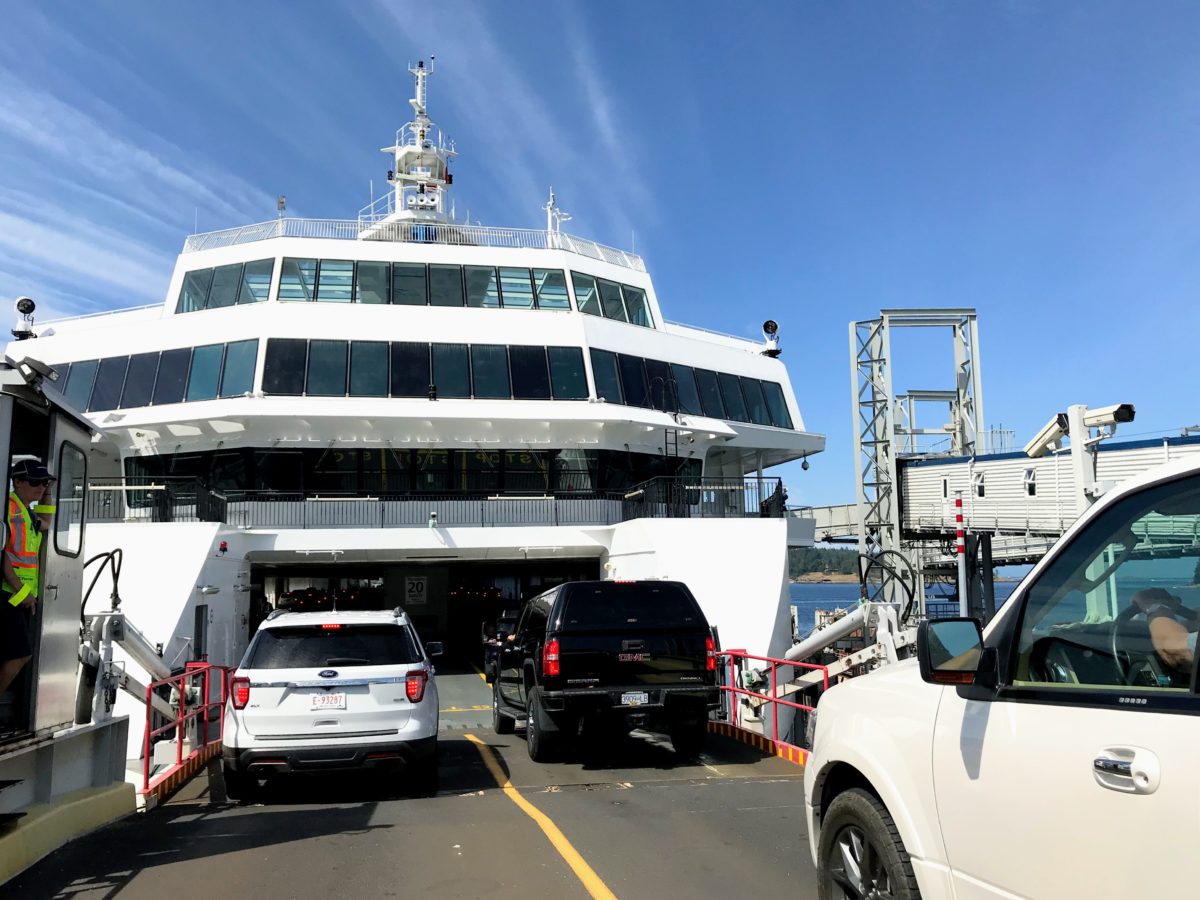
{"x":807,"y":162}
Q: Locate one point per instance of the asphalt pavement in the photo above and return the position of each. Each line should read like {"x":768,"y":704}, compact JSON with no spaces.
{"x":628,"y":820}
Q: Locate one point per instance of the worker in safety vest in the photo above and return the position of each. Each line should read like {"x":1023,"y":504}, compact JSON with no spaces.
{"x":28,"y":518}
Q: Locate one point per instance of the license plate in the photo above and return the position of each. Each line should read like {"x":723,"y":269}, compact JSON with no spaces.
{"x":634,"y":698}
{"x":328,"y":701}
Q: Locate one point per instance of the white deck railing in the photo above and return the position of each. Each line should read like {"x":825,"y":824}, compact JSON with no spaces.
{"x":413,"y":233}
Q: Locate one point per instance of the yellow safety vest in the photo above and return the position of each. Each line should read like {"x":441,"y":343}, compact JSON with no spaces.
{"x":22,"y":549}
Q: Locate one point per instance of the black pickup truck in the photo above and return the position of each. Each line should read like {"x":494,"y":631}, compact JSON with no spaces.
{"x":608,"y":655}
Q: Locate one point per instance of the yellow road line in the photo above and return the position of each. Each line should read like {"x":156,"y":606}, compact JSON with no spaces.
{"x":479,"y":673}
{"x":591,"y":881}
{"x":463,"y":708}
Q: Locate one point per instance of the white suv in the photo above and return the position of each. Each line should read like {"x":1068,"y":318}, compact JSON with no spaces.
{"x":1052,"y":756}
{"x":327,"y":691}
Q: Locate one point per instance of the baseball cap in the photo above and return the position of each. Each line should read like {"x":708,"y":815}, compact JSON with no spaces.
{"x":32,"y":471}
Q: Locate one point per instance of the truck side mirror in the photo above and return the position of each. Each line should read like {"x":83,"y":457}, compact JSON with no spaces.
{"x":949,"y":650}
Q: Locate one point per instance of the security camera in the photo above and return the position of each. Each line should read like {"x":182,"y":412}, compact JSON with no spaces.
{"x":23,"y":329}
{"x":25,"y":306}
{"x":770,"y":327}
{"x":1049,"y":438}
{"x":1107,"y":416}
{"x":804,"y":465}
{"x":433,"y":519}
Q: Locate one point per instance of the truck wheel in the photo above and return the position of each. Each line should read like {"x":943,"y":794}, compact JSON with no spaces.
{"x":687,"y":737}
{"x":860,"y":854}
{"x":538,"y":740}
{"x":239,"y":785}
{"x":501,"y":724}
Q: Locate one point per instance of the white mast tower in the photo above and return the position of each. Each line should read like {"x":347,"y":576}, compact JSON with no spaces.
{"x":420,"y":175}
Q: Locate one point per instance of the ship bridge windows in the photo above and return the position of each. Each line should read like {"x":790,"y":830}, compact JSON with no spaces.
{"x":204,"y":374}
{"x":608,"y":378}
{"x":483,"y":290}
{"x":530,"y":374}
{"x":409,"y":284}
{"x":237,"y":376}
{"x":517,"y":286}
{"x":451,"y":371}
{"x":110,"y":377}
{"x":620,"y":302}
{"x":489,"y":370}
{"x":225,"y":286}
{"x":172,"y":376}
{"x":551,"y":289}
{"x":445,"y":286}
{"x":139,"y":380}
{"x":327,"y":369}
{"x":368,"y":369}
{"x":568,"y":380}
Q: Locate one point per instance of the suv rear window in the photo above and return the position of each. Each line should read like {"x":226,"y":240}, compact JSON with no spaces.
{"x":644,"y":605}
{"x":311,"y":646}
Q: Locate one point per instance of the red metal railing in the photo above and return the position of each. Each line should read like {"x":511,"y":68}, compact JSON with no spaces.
{"x":199,"y":676}
{"x":730,"y":685}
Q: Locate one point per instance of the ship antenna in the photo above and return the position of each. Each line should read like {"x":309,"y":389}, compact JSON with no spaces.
{"x":555,"y":215}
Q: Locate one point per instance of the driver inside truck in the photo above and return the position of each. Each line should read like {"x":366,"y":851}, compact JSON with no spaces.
{"x":1173,"y":626}
{"x":19,"y":589}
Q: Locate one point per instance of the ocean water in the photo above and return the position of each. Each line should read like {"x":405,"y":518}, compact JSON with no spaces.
{"x":809,"y":597}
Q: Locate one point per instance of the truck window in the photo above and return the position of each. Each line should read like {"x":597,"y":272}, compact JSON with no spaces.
{"x":643,"y":604}
{"x":310,"y":646}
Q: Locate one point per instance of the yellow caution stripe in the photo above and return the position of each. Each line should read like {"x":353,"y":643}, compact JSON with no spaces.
{"x":789,"y":752}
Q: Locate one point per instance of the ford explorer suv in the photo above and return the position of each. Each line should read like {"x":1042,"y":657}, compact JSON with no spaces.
{"x":1052,"y":755}
{"x":610,"y":655}
{"x":319,"y":692}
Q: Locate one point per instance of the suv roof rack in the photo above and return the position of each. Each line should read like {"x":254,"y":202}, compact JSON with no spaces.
{"x":275,"y":614}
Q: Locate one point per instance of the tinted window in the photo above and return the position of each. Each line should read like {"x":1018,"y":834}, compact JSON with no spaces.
{"x":663,"y":391}
{"x":410,"y":370}
{"x":139,"y":380}
{"x":106,"y":393}
{"x":326,"y":369}
{"x":610,"y":300}
{"x":685,"y":383}
{"x":72,"y":487}
{"x":530,"y":379}
{"x":516,"y":288}
{"x":451,"y":371}
{"x":371,"y":286}
{"x":568,"y":379}
{"x":756,"y":406}
{"x":311,"y":647}
{"x":481,"y":287}
{"x":432,"y":470}
{"x":586,"y":296}
{"x":776,"y":405}
{"x":408,"y":284}
{"x":194,"y":292}
{"x":635,"y":303}
{"x":604,"y":371}
{"x":237,"y":377}
{"x":225,"y":283}
{"x":298,"y":281}
{"x":731,"y":395}
{"x":369,"y":369}
{"x":445,"y":286}
{"x":205,"y":374}
{"x":172,"y":375}
{"x":710,"y":394}
{"x":256,"y":281}
{"x":638,"y":606}
{"x":283,"y":369}
{"x":336,"y":281}
{"x":551,"y":285}
{"x":489,"y":367}
{"x":633,"y":380}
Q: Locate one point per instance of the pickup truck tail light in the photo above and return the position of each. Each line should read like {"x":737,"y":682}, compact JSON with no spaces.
{"x":414,"y":685}
{"x":710,"y":654}
{"x":551,"y":664}
{"x":239,"y":692}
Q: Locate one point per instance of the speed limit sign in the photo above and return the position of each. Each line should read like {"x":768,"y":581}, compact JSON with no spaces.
{"x":416,"y":590}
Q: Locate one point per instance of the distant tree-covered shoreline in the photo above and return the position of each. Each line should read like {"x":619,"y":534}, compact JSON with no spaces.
{"x":803,"y":560}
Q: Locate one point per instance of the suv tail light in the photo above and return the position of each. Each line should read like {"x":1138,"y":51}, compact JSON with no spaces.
{"x":551,"y":664}
{"x":239,"y":691}
{"x":710,"y":654}
{"x":414,"y":685}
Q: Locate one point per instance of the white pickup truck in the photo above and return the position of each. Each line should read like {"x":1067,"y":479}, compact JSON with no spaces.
{"x":1054,"y":755}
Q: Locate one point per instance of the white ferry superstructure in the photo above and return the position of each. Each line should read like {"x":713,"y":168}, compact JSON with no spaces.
{"x":436,"y":415}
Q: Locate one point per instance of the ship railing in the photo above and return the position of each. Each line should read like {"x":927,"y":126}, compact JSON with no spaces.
{"x":684,"y":497}
{"x":750,"y":685}
{"x":151,"y":498}
{"x":194,"y":734}
{"x":376,"y":227}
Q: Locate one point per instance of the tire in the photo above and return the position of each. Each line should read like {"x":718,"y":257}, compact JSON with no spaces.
{"x":422,"y":776}
{"x":539,"y":740}
{"x":860,"y":853}
{"x":239,"y":785}
{"x":501,"y":724}
{"x":688,"y":737}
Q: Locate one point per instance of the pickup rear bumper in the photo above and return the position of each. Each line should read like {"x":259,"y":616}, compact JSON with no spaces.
{"x":663,"y":701}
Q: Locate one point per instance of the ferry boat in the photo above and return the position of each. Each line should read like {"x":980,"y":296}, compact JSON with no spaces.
{"x":404,"y":410}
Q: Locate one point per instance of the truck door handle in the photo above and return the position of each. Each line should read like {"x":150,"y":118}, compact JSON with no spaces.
{"x":1127,"y":770}
{"x":1121,"y":767}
